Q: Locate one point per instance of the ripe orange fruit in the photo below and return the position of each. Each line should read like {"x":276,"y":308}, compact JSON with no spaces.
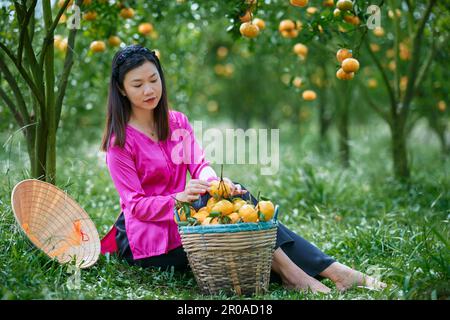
{"x":267,"y":209}
{"x":259,"y":23}
{"x":220,"y":189}
{"x":403,"y":83}
{"x":374,"y":47}
{"x":404,"y":52}
{"x":343,"y":54}
{"x":350,"y":65}
{"x":210,"y":204}
{"x":97,"y":46}
{"x":290,"y":34}
{"x":90,"y":16}
{"x":114,"y":41}
{"x":63,"y":18}
{"x":309,"y":95}
{"x":60,"y":43}
{"x":392,"y":65}
{"x":390,"y":53}
{"x":181,"y":214}
{"x":286,"y":25}
{"x":344,"y":5}
{"x":352,"y":20}
{"x":210,"y":220}
{"x":442,"y":105}
{"x":248,"y":213}
{"x":238,"y":203}
{"x":225,"y":207}
{"x":311,"y":10}
{"x":201,"y":215}
{"x":203,"y":209}
{"x":299,"y":3}
{"x":328,"y":3}
{"x":127,"y":13}
{"x":246,"y":17}
{"x":297,"y":82}
{"x":301,"y":50}
{"x":145,"y":28}
{"x":372,"y":83}
{"x":378,"y":31}
{"x":342,"y":75}
{"x":234,"y":217}
{"x":61,"y":2}
{"x":222,"y":52}
{"x":249,"y":30}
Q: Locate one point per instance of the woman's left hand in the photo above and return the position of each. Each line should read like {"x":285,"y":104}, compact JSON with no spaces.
{"x":236,"y":189}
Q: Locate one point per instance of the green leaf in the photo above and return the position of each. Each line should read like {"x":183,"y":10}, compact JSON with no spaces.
{"x":261,"y":216}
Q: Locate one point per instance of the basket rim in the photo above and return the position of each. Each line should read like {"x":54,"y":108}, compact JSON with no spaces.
{"x":225,"y":228}
{"x":234,"y":227}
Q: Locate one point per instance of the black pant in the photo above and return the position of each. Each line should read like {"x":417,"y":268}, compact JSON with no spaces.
{"x":304,"y":254}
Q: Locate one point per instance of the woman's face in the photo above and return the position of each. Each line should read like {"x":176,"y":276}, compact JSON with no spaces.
{"x":143,"y":86}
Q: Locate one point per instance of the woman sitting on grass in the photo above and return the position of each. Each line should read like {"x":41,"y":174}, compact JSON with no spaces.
{"x":139,"y":147}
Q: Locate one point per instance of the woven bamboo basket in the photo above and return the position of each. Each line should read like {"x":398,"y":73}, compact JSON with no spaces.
{"x":231,"y":258}
{"x":55,"y":223}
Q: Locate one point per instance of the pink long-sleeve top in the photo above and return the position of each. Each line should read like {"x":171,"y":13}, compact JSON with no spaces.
{"x":147,"y":176}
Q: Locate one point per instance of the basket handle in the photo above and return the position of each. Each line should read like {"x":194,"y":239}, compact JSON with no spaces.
{"x":275,"y":216}
{"x":177,"y":216}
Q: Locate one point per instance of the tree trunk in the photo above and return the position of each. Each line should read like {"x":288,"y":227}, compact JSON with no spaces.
{"x":399,"y":149}
{"x":342,"y":92}
{"x":324,"y":122}
{"x":40,"y":150}
{"x":344,"y":148}
{"x":30,"y":138}
{"x":49,"y":72}
{"x":445,"y":144}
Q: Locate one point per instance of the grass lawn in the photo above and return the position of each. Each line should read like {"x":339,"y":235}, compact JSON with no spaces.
{"x":360,"y":216}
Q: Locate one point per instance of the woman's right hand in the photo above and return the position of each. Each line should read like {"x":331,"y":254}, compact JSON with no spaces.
{"x":193,"y":190}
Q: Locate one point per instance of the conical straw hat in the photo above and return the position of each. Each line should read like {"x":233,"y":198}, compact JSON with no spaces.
{"x":55,"y":223}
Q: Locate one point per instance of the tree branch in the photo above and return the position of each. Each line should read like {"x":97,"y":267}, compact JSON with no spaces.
{"x":396,"y":50}
{"x":385,"y":79}
{"x":16,"y":90}
{"x":49,"y":35}
{"x":426,"y":65}
{"x":24,"y":74}
{"x":23,"y":25}
{"x":12,"y":108}
{"x":25,"y":40}
{"x":63,"y":79}
{"x":411,"y":123}
{"x":414,"y":65}
{"x":382,"y":113}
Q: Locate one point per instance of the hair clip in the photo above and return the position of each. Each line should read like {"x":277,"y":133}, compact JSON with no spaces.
{"x":127,"y":52}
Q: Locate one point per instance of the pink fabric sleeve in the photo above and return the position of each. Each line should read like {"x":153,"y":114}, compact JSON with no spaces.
{"x":123,"y":173}
{"x":198,"y":155}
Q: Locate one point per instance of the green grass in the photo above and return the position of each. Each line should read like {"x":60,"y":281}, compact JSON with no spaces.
{"x":360,"y":216}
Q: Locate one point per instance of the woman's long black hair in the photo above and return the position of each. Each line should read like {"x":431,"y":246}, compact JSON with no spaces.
{"x":119,"y":107}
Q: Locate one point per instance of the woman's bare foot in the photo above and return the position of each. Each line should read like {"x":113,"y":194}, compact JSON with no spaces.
{"x":304,"y":283}
{"x":294,"y":277}
{"x":346,"y":278}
